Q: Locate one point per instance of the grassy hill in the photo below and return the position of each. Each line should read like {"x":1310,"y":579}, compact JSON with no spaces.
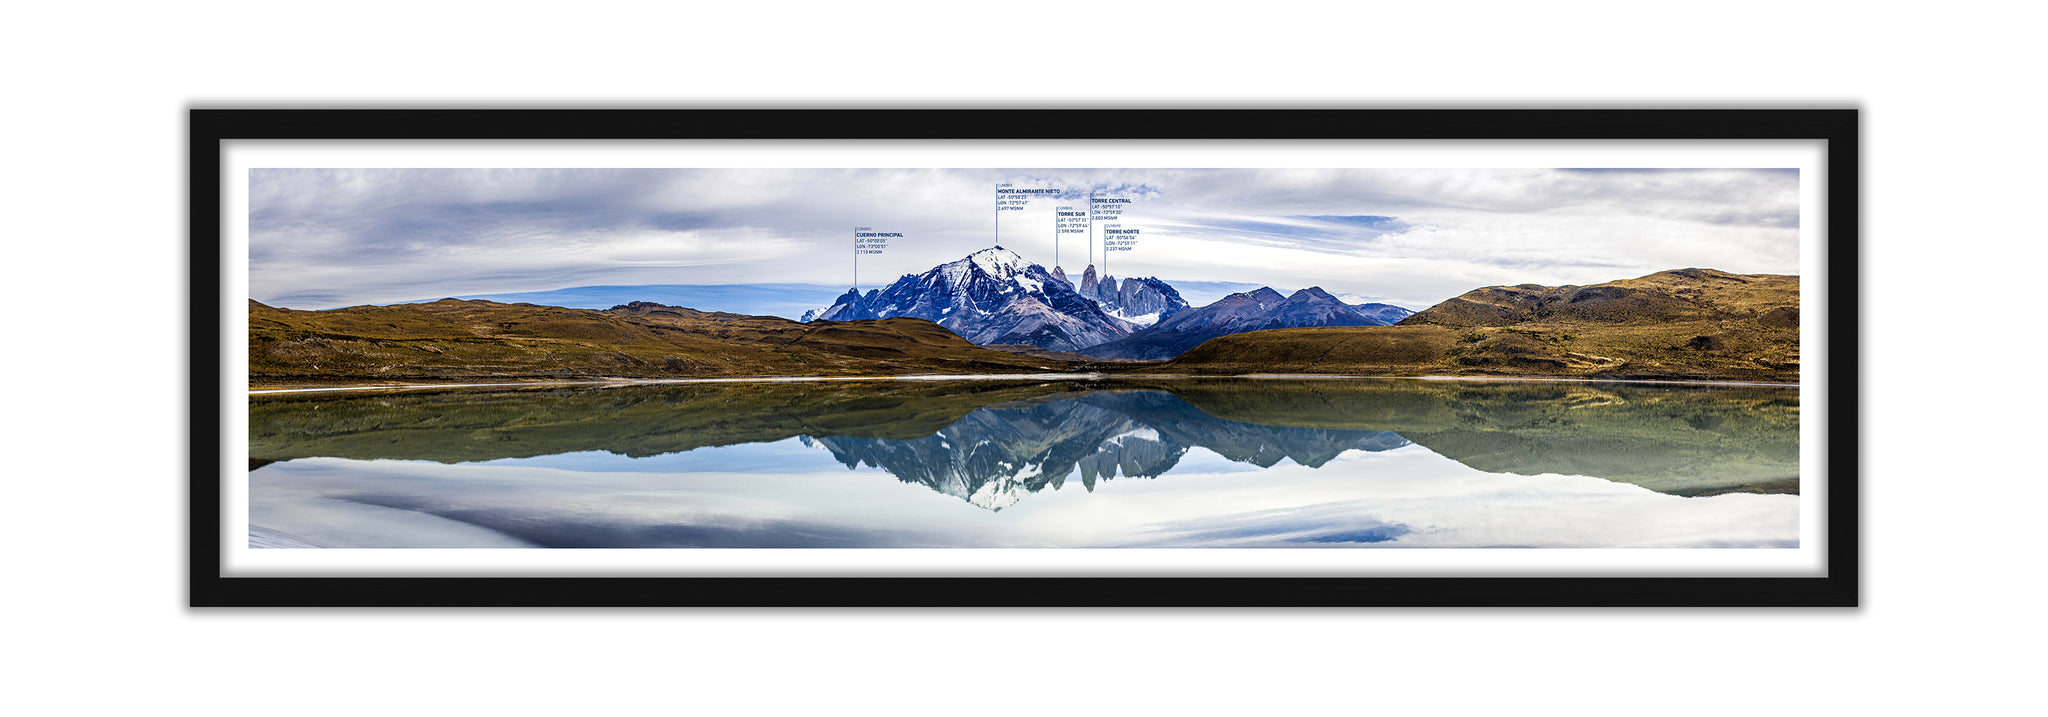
{"x":454,"y":340}
{"x":1683,"y":324}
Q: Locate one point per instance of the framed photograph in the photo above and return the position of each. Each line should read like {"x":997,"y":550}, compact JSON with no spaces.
{"x":1024,"y":358}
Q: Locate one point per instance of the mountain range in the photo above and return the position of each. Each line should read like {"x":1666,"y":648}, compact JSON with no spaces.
{"x":1140,"y":300}
{"x":992,"y":296}
{"x":1256,"y":310}
{"x":996,"y":297}
{"x":1690,"y":324}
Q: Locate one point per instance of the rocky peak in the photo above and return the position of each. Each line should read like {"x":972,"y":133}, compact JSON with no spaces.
{"x":1317,"y":293}
{"x":1263,"y":296}
{"x":1143,"y":300}
{"x":991,"y":296}
{"x":845,"y":308}
{"x":998,"y":262}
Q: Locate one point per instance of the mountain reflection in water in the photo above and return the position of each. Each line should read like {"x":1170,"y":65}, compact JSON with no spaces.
{"x":995,"y":455}
{"x":1000,"y":446}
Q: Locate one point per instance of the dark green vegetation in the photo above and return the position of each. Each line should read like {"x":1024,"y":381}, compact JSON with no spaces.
{"x":1696,"y":324}
{"x":452,"y":340}
{"x":1685,"y":440}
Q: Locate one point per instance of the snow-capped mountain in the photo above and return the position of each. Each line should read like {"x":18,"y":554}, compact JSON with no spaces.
{"x":1256,"y":310}
{"x":1385,"y":312}
{"x":1140,"y":300}
{"x":993,"y":296}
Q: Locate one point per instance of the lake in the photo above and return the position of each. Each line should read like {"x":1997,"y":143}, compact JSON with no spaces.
{"x":1040,"y":463}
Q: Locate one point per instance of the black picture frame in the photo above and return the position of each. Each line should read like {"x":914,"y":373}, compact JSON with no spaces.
{"x":209,"y":129}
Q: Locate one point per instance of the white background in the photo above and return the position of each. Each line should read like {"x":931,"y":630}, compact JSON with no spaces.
{"x":95,"y":198}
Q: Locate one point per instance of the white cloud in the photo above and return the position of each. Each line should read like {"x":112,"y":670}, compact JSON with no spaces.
{"x":330,"y":237}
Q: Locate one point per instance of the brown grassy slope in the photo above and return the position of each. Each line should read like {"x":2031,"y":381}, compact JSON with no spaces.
{"x":1683,"y":324}
{"x":468,"y":340}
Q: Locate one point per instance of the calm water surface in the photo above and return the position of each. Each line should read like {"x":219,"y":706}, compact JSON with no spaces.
{"x":1345,"y":463}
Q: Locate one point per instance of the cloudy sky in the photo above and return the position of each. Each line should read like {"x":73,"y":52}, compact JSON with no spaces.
{"x":324,"y":238}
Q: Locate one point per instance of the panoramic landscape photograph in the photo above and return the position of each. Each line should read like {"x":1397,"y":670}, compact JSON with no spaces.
{"x":1288,"y":358}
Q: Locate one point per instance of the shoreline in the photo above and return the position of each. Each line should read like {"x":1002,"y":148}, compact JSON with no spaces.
{"x":668,"y":381}
{"x":1680,"y":381}
{"x":1090,"y":376}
